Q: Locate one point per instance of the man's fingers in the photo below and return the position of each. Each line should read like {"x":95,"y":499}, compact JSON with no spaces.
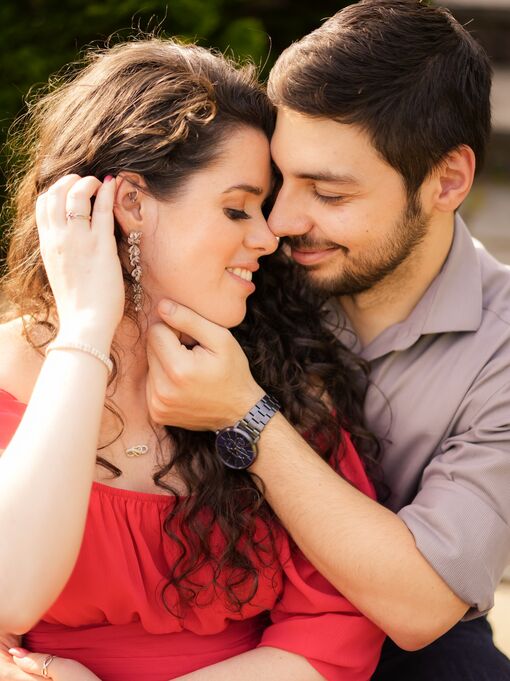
{"x":166,"y":355}
{"x":209,"y":335}
{"x":155,"y":400}
{"x":164,"y":341}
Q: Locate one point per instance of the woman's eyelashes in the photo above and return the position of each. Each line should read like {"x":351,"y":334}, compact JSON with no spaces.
{"x":234,"y":214}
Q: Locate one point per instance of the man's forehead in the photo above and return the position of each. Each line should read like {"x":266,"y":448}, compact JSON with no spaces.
{"x":322,"y":149}
{"x":301,"y":131}
{"x":289,"y":122}
{"x":307,"y":161}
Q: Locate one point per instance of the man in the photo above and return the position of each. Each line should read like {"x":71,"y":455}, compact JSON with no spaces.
{"x":383,"y":116}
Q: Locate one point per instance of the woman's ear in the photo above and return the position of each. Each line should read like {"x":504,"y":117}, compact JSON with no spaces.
{"x":131,"y":207}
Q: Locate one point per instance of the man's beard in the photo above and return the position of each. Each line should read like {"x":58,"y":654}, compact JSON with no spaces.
{"x":364,"y":272}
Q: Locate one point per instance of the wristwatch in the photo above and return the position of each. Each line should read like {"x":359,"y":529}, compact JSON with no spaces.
{"x":236,"y":445}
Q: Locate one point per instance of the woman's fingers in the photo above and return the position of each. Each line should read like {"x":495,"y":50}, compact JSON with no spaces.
{"x":68,"y":202}
{"x":78,"y":205}
{"x":102,"y":214}
{"x":41,"y":213}
{"x":79,"y":251}
{"x":32,"y":663}
{"x":40,"y":665}
{"x":9,"y":671}
{"x":55,"y":201}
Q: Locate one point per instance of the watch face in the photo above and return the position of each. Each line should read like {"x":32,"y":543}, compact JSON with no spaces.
{"x":235,"y":448}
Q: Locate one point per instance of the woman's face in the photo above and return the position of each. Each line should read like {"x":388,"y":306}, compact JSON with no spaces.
{"x":206,"y":242}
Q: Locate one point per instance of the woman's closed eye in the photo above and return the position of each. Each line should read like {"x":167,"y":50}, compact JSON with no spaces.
{"x":234,"y":214}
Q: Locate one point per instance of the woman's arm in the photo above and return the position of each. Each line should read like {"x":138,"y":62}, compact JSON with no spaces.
{"x":270,"y":664}
{"x":47,"y":469}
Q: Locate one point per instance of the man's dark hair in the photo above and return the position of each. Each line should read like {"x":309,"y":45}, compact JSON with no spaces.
{"x":405,"y":72}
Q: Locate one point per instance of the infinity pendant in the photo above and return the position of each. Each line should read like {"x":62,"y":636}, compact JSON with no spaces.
{"x":137,"y":450}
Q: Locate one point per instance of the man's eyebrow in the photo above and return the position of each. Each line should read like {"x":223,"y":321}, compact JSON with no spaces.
{"x":245,"y":188}
{"x":325,"y":176}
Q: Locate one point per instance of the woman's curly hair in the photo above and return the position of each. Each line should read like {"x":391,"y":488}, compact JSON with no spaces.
{"x":162,"y":109}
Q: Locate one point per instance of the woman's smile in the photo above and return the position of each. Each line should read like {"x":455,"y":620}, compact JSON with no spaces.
{"x":196,"y":244}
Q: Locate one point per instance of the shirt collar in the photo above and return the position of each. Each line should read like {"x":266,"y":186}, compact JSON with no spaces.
{"x":452,"y":302}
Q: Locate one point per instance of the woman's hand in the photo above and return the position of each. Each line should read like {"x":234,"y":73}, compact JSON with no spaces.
{"x":9,"y":671}
{"x":79,"y":252}
{"x":31,"y":665}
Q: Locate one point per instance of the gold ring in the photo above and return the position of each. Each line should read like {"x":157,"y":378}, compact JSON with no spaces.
{"x":77,"y":216}
{"x":47,"y":661}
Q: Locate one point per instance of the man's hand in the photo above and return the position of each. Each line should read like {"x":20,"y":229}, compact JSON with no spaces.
{"x":204,"y":387}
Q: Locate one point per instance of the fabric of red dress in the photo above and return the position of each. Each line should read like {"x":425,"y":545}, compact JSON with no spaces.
{"x":110,"y":615}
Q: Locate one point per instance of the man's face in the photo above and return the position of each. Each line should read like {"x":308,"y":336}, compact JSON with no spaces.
{"x":344,"y":210}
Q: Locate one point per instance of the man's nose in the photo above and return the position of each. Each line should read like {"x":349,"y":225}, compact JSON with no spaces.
{"x":287,"y":217}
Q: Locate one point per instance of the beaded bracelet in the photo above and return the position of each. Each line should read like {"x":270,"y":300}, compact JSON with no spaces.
{"x":82,"y":347}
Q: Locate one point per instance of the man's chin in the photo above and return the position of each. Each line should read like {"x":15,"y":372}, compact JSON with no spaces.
{"x":329,"y":286}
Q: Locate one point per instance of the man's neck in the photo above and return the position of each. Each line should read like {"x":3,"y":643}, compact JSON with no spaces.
{"x":393,"y":299}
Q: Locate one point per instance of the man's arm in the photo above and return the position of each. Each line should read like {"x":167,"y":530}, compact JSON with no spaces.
{"x":362,"y":548}
{"x":365,"y":550}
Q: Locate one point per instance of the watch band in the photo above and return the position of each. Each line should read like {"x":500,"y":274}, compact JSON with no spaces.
{"x":259,"y":415}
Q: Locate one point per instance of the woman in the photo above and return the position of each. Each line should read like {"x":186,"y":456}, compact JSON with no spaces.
{"x":134,"y":553}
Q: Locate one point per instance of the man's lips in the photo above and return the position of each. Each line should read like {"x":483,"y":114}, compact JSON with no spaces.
{"x":312,"y":257}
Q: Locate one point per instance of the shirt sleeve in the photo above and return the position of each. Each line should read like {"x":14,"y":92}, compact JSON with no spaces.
{"x":460,"y":517}
{"x":313,"y":620}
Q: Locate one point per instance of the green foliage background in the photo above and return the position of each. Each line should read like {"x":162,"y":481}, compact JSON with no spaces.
{"x":38,"y":37}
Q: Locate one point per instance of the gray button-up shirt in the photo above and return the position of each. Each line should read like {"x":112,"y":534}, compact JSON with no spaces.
{"x":440,"y":398}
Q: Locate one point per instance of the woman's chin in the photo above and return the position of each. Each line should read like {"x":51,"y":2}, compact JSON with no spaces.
{"x":228,"y":318}
{"x":226,"y":315}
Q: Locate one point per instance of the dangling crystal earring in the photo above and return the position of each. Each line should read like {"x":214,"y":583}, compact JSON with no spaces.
{"x":134,"y":239}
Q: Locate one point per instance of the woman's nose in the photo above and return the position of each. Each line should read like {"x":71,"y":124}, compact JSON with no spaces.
{"x":262,"y":238}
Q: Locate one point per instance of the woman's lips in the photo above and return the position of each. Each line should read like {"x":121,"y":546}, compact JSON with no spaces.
{"x":248,"y":285}
{"x":312,"y":257}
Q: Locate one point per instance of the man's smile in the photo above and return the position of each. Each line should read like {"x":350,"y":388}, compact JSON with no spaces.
{"x":309,"y":256}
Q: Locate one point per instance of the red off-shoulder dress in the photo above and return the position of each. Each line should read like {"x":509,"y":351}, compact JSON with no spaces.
{"x":110,"y":615}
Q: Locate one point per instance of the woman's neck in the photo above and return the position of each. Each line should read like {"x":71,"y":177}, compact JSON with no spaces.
{"x":130,"y":345}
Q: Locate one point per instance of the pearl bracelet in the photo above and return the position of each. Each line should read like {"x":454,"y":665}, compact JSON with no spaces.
{"x":82,"y":347}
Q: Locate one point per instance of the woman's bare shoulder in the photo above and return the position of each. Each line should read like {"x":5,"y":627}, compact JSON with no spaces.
{"x":21,"y":362}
